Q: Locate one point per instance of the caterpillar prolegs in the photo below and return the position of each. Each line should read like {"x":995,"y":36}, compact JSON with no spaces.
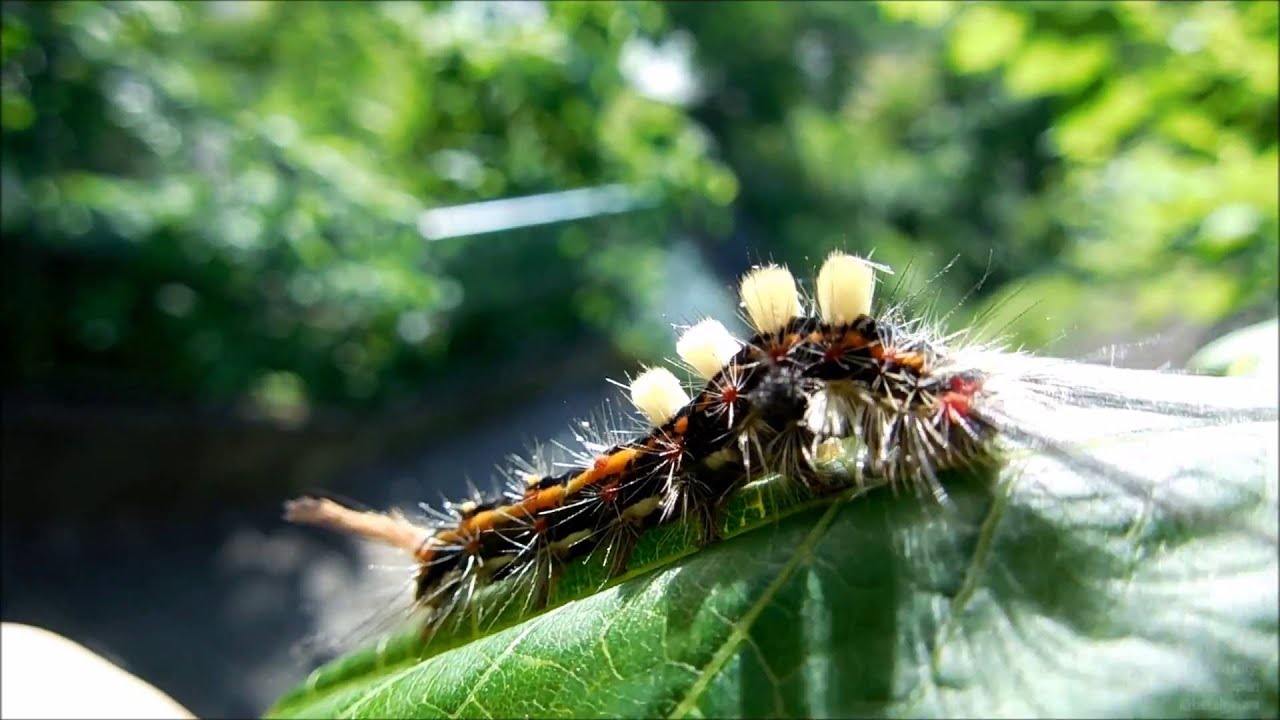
{"x":820,"y":376}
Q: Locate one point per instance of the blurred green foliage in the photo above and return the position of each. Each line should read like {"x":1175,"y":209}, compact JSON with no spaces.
{"x":218,"y":201}
{"x":215,"y":199}
{"x":1114,"y":163}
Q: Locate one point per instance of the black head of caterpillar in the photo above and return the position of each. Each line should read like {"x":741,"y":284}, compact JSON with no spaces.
{"x":804,"y":382}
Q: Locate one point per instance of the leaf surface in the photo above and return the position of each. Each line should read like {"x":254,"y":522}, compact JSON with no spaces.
{"x":1041,"y":590}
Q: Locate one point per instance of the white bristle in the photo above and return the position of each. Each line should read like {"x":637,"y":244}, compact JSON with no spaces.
{"x":657,"y":394}
{"x":707,"y":347}
{"x":845,"y":287}
{"x":770,"y":296}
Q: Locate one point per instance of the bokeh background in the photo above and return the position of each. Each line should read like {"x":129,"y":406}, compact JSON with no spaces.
{"x":242,"y":256}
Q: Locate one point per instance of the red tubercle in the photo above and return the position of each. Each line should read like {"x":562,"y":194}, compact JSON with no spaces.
{"x":956,"y":404}
{"x":964,"y":385}
{"x":609,"y":493}
{"x":958,"y":398}
{"x":782,"y":347}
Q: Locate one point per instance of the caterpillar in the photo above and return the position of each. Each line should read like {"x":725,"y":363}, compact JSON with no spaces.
{"x":820,"y":376}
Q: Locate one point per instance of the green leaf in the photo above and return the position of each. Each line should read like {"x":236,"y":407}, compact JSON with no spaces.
{"x":1042,"y":590}
{"x":985,"y":36}
{"x":1050,"y":66}
{"x":1092,"y":130}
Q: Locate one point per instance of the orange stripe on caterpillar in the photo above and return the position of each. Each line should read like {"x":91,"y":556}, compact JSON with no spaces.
{"x":539,"y":500}
{"x":605,"y":466}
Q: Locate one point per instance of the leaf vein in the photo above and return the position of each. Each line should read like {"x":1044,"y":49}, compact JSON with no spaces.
{"x":739,"y":631}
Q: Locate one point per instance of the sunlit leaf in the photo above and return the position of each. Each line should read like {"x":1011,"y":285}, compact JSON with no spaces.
{"x":1050,"y":65}
{"x":1047,"y":594}
{"x":985,"y":36}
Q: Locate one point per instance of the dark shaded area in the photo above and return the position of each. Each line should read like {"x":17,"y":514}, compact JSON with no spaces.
{"x":231,"y":592}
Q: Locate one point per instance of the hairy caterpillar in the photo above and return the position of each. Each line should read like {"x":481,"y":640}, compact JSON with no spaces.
{"x":819,"y":377}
